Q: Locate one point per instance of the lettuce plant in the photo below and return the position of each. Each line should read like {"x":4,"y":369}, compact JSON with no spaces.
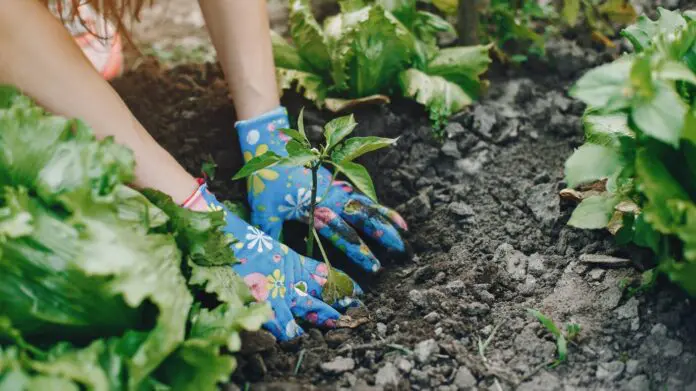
{"x":376,"y":49}
{"x":97,"y":280}
{"x":640,"y":129}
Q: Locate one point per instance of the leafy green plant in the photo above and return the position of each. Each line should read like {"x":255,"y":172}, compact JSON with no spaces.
{"x":97,"y":280}
{"x":339,"y":153}
{"x":640,"y":130}
{"x":562,"y":336}
{"x":599,"y":17}
{"x":377,"y":48}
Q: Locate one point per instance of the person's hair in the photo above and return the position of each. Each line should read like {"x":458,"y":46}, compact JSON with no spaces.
{"x":118,"y":12}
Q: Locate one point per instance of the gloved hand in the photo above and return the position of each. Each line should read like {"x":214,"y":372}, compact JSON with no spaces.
{"x":293,"y":284}
{"x":279,"y":193}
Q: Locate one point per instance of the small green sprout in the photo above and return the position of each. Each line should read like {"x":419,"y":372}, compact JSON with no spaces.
{"x":571,"y":332}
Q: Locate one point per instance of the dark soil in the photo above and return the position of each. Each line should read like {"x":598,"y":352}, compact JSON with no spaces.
{"x":489,"y":238}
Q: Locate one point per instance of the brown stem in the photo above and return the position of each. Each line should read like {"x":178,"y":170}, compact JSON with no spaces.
{"x":468,"y":21}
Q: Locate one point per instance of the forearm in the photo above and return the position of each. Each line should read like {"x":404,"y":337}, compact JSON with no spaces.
{"x":240,"y":32}
{"x":38,"y":56}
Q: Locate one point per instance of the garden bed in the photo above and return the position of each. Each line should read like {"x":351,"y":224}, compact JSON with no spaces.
{"x":489,"y":239}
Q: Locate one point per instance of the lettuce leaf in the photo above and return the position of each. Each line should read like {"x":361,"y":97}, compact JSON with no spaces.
{"x":440,"y":96}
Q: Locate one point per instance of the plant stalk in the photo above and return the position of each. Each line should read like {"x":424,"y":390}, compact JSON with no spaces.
{"x":312,"y":207}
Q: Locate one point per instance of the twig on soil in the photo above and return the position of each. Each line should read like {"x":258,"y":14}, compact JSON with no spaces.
{"x":534,"y":371}
{"x":300,"y":359}
{"x":483,"y":346}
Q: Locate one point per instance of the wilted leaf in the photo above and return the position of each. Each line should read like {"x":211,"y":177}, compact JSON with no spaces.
{"x":337,"y":105}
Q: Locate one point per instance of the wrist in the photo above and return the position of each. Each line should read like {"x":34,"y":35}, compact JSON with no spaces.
{"x":260,"y":134}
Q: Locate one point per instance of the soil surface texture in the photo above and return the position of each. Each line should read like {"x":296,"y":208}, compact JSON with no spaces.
{"x":489,"y":238}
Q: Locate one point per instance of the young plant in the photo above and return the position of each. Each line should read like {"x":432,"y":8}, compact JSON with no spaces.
{"x":339,"y":152}
{"x":562,"y":337}
{"x":640,"y":130}
{"x":374,"y":49}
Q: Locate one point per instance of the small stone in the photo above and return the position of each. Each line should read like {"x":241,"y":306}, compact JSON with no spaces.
{"x":461,"y":209}
{"x":610,"y":371}
{"x":404,"y":365}
{"x":536,"y":265}
{"x":432,"y":317}
{"x":485,"y":296}
{"x":381,"y":329}
{"x":417,"y":297}
{"x":257,"y":341}
{"x":334,"y":338}
{"x":440,"y":277}
{"x":475,"y":308}
{"x":672,"y":348}
{"x":454,"y":129}
{"x":629,"y":310}
{"x":542,"y":199}
{"x":438,"y":331}
{"x":596,"y":274}
{"x":419,"y":206}
{"x":449,"y":148}
{"x":530,"y":284}
{"x":484,"y":120}
{"x":638,"y":383}
{"x":388,"y":375}
{"x":455,"y":287}
{"x":632,"y":366}
{"x":425,"y":349}
{"x":515,"y":261}
{"x":659,"y":329}
{"x":338,"y":365}
{"x":464,"y":379}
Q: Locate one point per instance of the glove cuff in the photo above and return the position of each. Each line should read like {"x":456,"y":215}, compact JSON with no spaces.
{"x":259,"y":134}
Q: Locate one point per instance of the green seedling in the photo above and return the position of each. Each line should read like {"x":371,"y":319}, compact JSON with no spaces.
{"x":562,"y":337}
{"x":640,"y":133}
{"x":338,"y":153}
{"x":208,"y":167}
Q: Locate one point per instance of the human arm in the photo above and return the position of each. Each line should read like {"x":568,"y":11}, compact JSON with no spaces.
{"x":38,"y":56}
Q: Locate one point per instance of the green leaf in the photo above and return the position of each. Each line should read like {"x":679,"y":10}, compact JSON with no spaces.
{"x":307,"y":36}
{"x":605,"y":129}
{"x":197,"y":368}
{"x":571,"y":12}
{"x":404,"y":10}
{"x":446,"y":6}
{"x":300,"y":125}
{"x":221,"y":281}
{"x":355,"y":147}
{"x":294,"y":148}
{"x":300,"y":159}
{"x":572,"y":331}
{"x":644,"y":235}
{"x":199,"y":234}
{"x":370,"y":52}
{"x":681,"y":273}
{"x":338,"y":286}
{"x":593,"y":212}
{"x":309,"y":85}
{"x":8,"y":94}
{"x":337,"y":129}
{"x":295,"y":135}
{"x":256,"y":164}
{"x":547,"y":322}
{"x":442,"y":98}
{"x":672,"y":70}
{"x":591,"y":162}
{"x":237,"y":208}
{"x":461,"y":65}
{"x":642,"y":33}
{"x":358,"y":175}
{"x":286,"y":56}
{"x":208,"y":168}
{"x":661,"y":116}
{"x":606,"y":86}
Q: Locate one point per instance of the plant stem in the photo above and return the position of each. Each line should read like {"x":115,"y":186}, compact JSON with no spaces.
{"x":312,"y":207}
{"x":321,"y":248}
{"x":468,"y":21}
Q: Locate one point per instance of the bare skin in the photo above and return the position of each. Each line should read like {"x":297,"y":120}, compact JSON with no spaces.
{"x":39,"y":56}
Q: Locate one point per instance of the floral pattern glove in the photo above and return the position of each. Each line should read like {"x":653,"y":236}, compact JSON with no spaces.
{"x":293,"y":284}
{"x":279,"y":193}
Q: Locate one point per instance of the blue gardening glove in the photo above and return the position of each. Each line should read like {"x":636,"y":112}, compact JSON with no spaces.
{"x":279,"y":193}
{"x":293,"y":284}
